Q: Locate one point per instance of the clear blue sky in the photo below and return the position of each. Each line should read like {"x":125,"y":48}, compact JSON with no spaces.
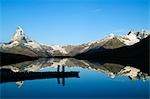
{"x":72,"y":21}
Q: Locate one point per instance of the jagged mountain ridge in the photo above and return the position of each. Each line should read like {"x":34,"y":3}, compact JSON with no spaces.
{"x":109,"y":42}
{"x":22,"y":44}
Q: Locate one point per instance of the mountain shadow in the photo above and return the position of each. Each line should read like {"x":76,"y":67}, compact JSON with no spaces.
{"x":8,"y":58}
{"x":137,"y":54}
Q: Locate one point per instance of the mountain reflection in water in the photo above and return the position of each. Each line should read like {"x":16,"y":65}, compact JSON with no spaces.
{"x":69,"y":69}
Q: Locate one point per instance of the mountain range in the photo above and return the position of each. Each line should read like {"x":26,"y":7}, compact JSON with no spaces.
{"x":21,"y":44}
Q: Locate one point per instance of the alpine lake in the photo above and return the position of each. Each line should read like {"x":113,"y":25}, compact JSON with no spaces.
{"x":72,"y":78}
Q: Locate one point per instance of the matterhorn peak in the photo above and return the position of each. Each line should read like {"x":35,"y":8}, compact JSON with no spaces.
{"x":19,"y":29}
{"x":111,"y":35}
{"x":19,"y":35}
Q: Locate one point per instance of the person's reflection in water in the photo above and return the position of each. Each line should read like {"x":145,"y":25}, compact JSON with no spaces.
{"x":58,"y":72}
{"x":58,"y":80}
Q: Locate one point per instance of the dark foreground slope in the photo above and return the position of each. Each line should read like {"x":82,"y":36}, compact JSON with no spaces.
{"x":7,"y":58}
{"x":137,"y":54}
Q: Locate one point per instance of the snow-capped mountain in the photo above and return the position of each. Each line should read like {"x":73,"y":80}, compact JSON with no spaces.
{"x":22,"y":44}
{"x":59,"y":48}
{"x":76,"y":49}
{"x":110,"y":42}
{"x":133,"y":37}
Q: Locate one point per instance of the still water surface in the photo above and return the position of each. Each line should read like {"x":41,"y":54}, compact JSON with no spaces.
{"x":95,"y":80}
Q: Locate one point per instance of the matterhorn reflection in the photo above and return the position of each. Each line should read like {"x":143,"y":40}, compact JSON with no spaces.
{"x":31,"y":70}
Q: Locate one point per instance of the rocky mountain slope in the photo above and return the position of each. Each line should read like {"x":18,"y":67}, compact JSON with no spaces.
{"x":113,"y":42}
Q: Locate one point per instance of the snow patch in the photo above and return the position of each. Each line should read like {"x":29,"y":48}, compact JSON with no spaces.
{"x":59,"y":48}
{"x":129,"y":71}
{"x":129,"y":39}
{"x":33,"y":45}
{"x":19,"y":34}
{"x":60,"y":63}
{"x":15,"y":43}
{"x":110,"y":36}
{"x":33,"y":67}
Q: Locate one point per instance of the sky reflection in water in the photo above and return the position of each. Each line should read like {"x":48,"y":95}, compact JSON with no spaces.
{"x":91,"y":84}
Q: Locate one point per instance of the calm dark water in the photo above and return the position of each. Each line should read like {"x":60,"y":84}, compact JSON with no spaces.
{"x":95,"y":82}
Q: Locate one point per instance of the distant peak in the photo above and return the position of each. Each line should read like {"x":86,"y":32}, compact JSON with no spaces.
{"x":111,"y":35}
{"x":19,"y":30}
{"x":19,"y":27}
{"x":18,"y":35}
{"x":132,"y":31}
